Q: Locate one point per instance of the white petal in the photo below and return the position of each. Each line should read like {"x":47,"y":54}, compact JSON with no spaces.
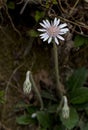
{"x":60,"y":37}
{"x":55,"y":21}
{"x":44,"y":35}
{"x":62,"y":25}
{"x":43,"y":25}
{"x":46,"y":24}
{"x":50,"y":39}
{"x":61,"y":33}
{"x":46,"y":38}
{"x":64,"y":30}
{"x":42,"y":30}
{"x":56,"y":40}
{"x":58,"y":21}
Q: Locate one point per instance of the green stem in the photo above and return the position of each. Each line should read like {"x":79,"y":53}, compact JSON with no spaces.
{"x":58,"y":83}
{"x":37,"y":91}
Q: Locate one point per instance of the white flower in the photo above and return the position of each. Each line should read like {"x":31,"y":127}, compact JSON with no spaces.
{"x":65,"y":109}
{"x":27,"y":84}
{"x":53,"y":30}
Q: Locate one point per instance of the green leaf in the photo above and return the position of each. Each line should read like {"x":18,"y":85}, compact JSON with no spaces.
{"x":2,"y":100}
{"x":81,"y":106}
{"x":11,"y":5}
{"x":39,"y":15}
{"x":52,"y":108}
{"x":86,"y":109}
{"x":80,"y":40}
{"x":21,"y":105}
{"x":85,"y":127}
{"x":54,"y":2}
{"x":31,"y":109}
{"x":1,"y":94}
{"x":42,"y":128}
{"x":72,"y":121}
{"x":59,"y":127}
{"x":32,"y":33}
{"x":77,"y":79}
{"x":44,"y":119}
{"x":48,"y":95}
{"x":25,"y":120}
{"x":79,"y":96}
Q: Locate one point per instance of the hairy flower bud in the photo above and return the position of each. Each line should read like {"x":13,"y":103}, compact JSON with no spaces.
{"x":27,"y":84}
{"x":65,"y":109}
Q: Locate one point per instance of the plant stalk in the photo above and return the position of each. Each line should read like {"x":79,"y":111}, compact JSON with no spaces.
{"x":37,"y":91}
{"x":59,"y":86}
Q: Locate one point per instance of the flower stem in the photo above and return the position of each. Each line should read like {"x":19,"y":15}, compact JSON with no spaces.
{"x":59,"y":86}
{"x":37,"y":91}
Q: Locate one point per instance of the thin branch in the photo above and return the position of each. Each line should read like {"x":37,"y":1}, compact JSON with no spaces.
{"x":72,"y":9}
{"x":7,"y":87}
{"x":10,"y":19}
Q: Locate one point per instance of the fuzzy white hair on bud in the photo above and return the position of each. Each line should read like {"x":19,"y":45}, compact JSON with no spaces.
{"x":27,"y":86}
{"x":65,"y":108}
